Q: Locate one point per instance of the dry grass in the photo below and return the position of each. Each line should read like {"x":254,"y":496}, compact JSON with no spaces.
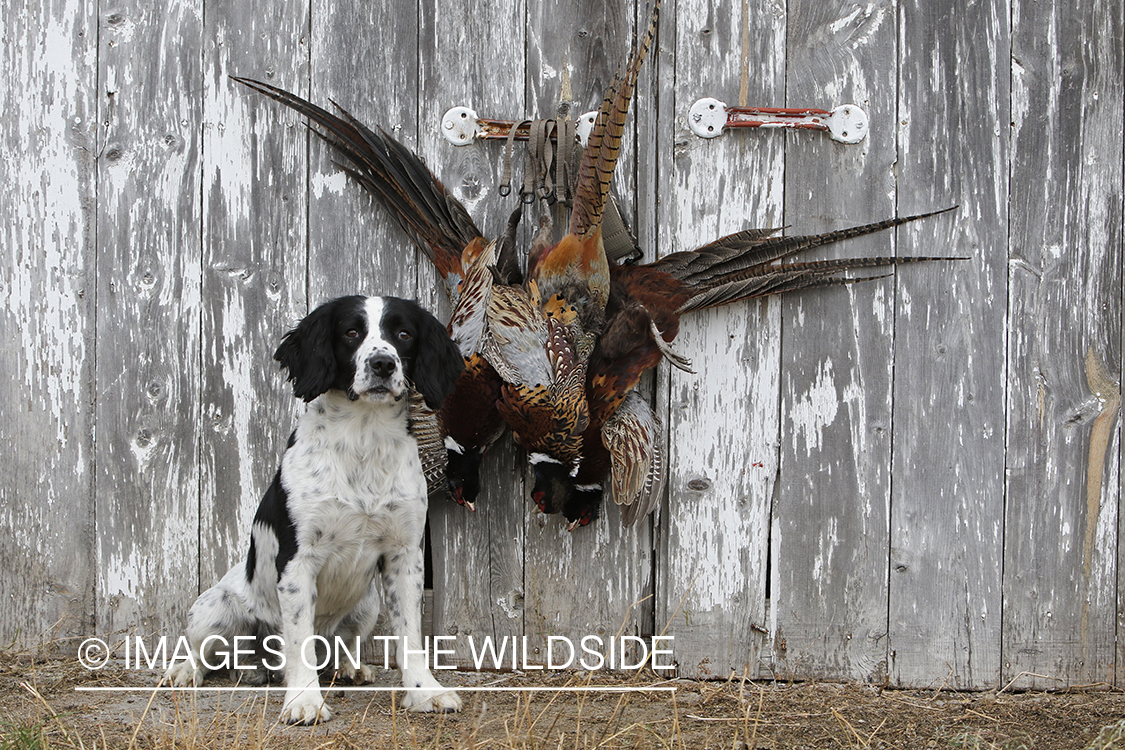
{"x":42,"y":710}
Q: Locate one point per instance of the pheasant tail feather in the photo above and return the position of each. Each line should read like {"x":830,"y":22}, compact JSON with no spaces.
{"x":595,"y":173}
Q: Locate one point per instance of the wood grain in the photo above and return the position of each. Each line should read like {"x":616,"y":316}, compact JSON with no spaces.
{"x":947,"y":481}
{"x":830,"y":516}
{"x":148,"y":317}
{"x":47,"y":321}
{"x":1060,"y":560}
{"x":354,"y":247}
{"x":723,"y":421}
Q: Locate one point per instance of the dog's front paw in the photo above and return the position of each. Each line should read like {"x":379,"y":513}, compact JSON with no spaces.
{"x":305,"y":707}
{"x":364,"y":673}
{"x":183,"y":674}
{"x":438,"y":700}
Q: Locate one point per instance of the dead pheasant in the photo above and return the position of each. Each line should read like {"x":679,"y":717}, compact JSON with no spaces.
{"x":643,"y":314}
{"x":570,"y":283}
{"x":575,"y":271}
{"x":537,"y":341}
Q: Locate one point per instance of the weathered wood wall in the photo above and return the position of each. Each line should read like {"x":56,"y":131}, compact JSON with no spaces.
{"x":913,"y":481}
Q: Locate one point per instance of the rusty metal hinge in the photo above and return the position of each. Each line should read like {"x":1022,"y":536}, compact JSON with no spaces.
{"x":461,"y":126}
{"x":708,"y":118}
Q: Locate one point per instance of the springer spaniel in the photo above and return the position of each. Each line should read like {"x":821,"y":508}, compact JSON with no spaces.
{"x":345,"y":513}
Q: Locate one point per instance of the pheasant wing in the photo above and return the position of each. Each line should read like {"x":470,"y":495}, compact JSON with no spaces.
{"x":469,"y":319}
{"x":632,"y":437}
{"x":426,"y":429}
{"x":516,"y":340}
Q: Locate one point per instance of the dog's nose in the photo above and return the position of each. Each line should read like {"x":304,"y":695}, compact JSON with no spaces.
{"x":381,"y":365}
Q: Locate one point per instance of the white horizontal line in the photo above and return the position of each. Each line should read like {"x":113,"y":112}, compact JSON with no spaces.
{"x":364,"y":689}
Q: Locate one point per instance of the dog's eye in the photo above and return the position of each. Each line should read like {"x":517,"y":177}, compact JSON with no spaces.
{"x":351,"y":333}
{"x":404,"y":335}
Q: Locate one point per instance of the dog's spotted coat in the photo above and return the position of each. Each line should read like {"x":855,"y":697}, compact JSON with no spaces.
{"x":340,"y":528}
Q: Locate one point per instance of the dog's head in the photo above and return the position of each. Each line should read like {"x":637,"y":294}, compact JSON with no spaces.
{"x":371,"y":348}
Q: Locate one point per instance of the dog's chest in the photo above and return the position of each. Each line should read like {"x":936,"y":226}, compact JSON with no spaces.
{"x":355,"y":492}
{"x":355,"y":455}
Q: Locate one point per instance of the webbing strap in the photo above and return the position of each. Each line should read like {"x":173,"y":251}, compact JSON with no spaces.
{"x":550,"y":169}
{"x":505,"y":187}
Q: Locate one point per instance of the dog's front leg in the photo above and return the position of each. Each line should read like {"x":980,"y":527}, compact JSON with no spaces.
{"x":403,"y":576}
{"x":296,"y":593}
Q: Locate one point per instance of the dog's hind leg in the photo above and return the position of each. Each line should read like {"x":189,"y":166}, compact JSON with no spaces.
{"x":354,"y":632}
{"x":217,"y":622}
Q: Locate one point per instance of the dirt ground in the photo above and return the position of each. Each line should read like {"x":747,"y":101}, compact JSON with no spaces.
{"x":43,"y":708}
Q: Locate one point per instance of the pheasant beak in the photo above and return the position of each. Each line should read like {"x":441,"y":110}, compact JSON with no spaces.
{"x":574,"y":524}
{"x":470,"y":506}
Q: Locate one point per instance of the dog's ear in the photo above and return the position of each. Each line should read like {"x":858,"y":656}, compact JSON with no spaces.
{"x":437,"y":364}
{"x":308,"y":354}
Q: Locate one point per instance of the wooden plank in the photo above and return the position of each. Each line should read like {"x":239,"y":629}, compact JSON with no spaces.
{"x":723,"y":422}
{"x":254,"y":277}
{"x":595,"y":581}
{"x":47,"y":321}
{"x":148,"y":321}
{"x":947,"y":478}
{"x":1064,"y":346}
{"x":596,"y":41}
{"x":590,"y":39}
{"x":474,"y":55}
{"x":653,"y":104}
{"x":354,"y":247}
{"x":656,"y":122}
{"x":830,"y":518}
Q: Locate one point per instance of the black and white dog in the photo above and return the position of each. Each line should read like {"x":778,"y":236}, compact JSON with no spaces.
{"x":344,"y":516}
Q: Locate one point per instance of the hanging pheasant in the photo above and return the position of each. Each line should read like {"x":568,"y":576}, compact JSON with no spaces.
{"x":643,"y":314}
{"x":570,"y":283}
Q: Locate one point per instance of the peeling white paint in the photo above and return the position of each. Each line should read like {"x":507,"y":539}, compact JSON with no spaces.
{"x":227,"y":140}
{"x":47,"y":193}
{"x":816,"y":409}
{"x":839,"y":24}
{"x":335,"y":182}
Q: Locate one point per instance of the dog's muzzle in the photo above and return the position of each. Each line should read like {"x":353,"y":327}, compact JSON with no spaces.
{"x":381,"y":378}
